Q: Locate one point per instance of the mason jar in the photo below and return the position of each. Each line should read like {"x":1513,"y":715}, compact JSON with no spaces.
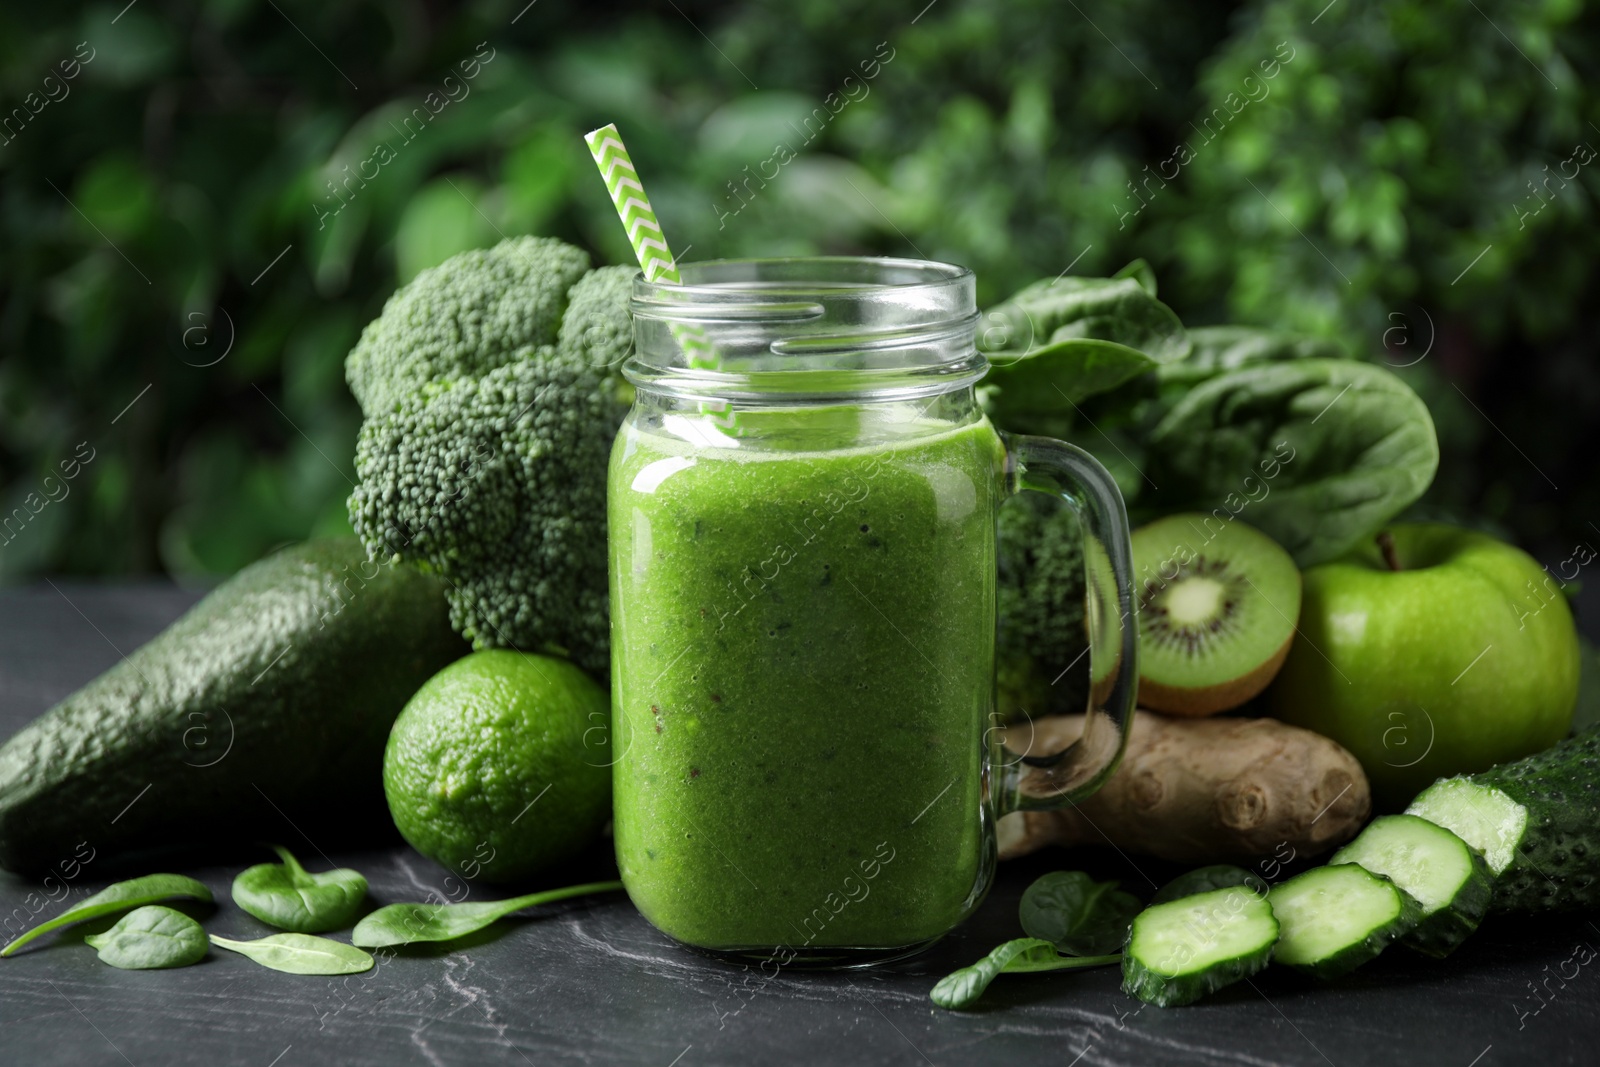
{"x":802,"y":507}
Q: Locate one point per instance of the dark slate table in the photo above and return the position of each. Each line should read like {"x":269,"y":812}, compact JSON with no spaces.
{"x":592,"y":983}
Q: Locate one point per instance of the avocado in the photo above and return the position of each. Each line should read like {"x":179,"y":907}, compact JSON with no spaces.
{"x":270,"y":700}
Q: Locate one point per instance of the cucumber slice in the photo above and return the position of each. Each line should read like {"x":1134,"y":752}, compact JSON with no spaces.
{"x":1450,"y":882}
{"x":1179,"y":951}
{"x":1334,"y":919}
{"x":1480,"y":815}
{"x":1536,"y":821}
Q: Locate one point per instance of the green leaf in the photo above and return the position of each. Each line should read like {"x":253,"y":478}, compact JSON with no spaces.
{"x":1077,"y":914}
{"x":1141,"y":272}
{"x":1051,"y":379}
{"x":120,"y":195}
{"x":537,"y":176}
{"x":439,"y":221}
{"x":741,"y":129}
{"x":285,"y":896}
{"x":151,"y":937}
{"x":1218,"y":349}
{"x":1063,"y":340}
{"x":1317,"y":453}
{"x":300,"y":954}
{"x":961,"y":989}
{"x":1205,"y":879}
{"x":1116,"y":424}
{"x":1121,"y":310}
{"x":118,"y":897}
{"x":402,"y":924}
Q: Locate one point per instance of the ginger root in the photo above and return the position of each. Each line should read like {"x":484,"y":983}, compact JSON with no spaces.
{"x":1201,"y":791}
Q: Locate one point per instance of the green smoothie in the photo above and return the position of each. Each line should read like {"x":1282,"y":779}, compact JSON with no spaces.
{"x":802,"y":660}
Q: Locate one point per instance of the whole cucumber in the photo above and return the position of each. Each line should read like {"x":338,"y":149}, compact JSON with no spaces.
{"x":1536,"y":821}
{"x":270,"y":700}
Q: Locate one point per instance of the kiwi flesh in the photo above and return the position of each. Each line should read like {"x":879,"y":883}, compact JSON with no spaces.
{"x":1218,"y":603}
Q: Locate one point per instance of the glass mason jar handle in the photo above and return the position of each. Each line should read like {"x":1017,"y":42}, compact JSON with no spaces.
{"x":1033,"y":782}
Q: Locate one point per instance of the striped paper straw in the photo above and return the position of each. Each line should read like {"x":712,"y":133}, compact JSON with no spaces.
{"x":644,"y":233}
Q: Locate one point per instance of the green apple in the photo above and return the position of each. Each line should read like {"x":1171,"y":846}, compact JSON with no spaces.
{"x":1431,"y":651}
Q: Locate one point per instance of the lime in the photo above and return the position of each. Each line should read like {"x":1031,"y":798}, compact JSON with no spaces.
{"x":499,"y":766}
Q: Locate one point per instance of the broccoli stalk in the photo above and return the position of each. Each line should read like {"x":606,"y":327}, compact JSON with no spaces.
{"x":491,"y":392}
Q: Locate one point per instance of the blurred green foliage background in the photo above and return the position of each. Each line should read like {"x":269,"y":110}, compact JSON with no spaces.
{"x":199,"y":221}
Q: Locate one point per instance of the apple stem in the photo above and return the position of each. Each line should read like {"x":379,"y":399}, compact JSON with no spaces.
{"x":1386,"y":544}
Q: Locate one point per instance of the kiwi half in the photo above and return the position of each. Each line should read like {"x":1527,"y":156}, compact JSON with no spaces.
{"x":1218,"y":603}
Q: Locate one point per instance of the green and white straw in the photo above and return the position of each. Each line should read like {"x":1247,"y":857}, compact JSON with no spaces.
{"x":644,"y":233}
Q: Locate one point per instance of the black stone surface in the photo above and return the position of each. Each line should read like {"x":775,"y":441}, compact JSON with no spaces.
{"x":592,"y":983}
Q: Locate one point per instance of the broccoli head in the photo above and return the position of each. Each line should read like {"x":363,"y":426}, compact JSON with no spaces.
{"x":491,"y":392}
{"x":1040,"y":668}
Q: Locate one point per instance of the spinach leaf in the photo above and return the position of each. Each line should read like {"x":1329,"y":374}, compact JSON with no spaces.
{"x":151,"y":937}
{"x":1054,"y":378}
{"x":961,"y":989}
{"x":1115,"y":425}
{"x":1121,"y":309}
{"x":401,"y":924}
{"x":285,"y":896}
{"x":1205,"y":879}
{"x":1317,"y":453}
{"x":1218,"y":349}
{"x":1060,"y":341}
{"x":1141,"y":272}
{"x":1078,"y":915}
{"x":118,"y":897}
{"x":300,"y":954}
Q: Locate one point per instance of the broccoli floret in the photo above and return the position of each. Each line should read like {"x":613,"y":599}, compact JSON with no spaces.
{"x":470,"y":314}
{"x":491,"y":390}
{"x":1040,"y":668}
{"x":598,"y":323}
